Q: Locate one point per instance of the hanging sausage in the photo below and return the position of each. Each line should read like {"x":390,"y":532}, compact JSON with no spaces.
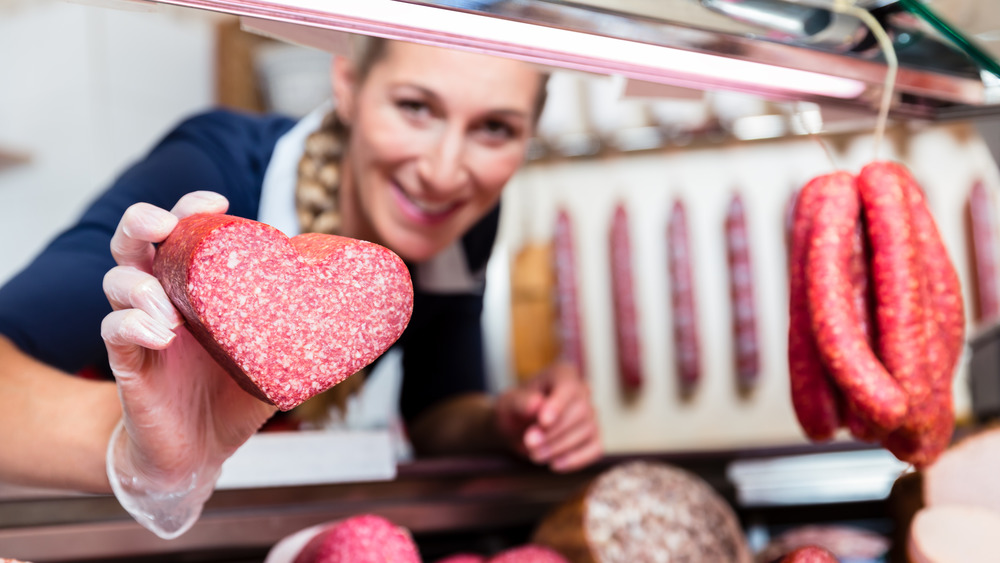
{"x":682,"y":299}
{"x":623,"y":296}
{"x":747,"y":347}
{"x":570,"y":326}
{"x":983,"y":234}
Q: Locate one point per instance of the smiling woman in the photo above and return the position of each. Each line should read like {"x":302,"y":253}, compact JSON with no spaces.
{"x":413,"y":156}
{"x":436,"y":135}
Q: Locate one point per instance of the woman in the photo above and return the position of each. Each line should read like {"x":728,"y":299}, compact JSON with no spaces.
{"x":413,"y":157}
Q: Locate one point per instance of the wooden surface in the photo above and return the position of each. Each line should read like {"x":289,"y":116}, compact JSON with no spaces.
{"x":437,"y":499}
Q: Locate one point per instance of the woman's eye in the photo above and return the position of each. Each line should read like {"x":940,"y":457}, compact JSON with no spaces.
{"x":413,"y":107}
{"x":498,"y":130}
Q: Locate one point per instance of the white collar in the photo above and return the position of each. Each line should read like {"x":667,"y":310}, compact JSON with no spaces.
{"x":277,"y":194}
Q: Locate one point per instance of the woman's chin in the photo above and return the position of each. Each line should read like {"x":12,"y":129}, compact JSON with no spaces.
{"x":415,"y":251}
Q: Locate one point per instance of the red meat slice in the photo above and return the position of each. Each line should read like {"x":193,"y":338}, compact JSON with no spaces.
{"x":287,"y":318}
{"x":361,"y":539}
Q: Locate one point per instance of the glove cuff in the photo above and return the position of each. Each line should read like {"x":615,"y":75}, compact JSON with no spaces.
{"x":167,"y":511}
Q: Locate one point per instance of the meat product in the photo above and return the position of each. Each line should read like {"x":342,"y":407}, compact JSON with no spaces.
{"x":966,"y":473}
{"x":741,"y":293}
{"x":623,"y":295}
{"x":863,"y":301}
{"x":815,"y":398}
{"x":870,"y":391}
{"x":898,"y":277}
{"x":809,"y":554}
{"x":639,"y":512}
{"x":849,"y":543}
{"x":528,"y":554}
{"x":928,"y":428}
{"x":983,"y":242}
{"x":287,"y":318}
{"x":790,"y":211}
{"x":570,"y":326}
{"x":685,"y":318}
{"x":954,"y":534}
{"x":463,"y":558}
{"x":360,"y":539}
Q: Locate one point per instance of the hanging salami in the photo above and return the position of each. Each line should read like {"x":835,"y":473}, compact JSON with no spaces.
{"x":570,"y":327}
{"x":793,"y":200}
{"x":873,"y":240}
{"x":623,"y":296}
{"x":741,"y":291}
{"x":983,"y":233}
{"x":682,"y":300}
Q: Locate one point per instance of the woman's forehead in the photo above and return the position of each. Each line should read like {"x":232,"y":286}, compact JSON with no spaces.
{"x":449,"y":72}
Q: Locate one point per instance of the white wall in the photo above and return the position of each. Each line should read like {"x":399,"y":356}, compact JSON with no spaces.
{"x":84,"y":90}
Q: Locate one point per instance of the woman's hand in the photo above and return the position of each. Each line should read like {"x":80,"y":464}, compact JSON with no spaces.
{"x":551,"y":420}
{"x":182,"y":414}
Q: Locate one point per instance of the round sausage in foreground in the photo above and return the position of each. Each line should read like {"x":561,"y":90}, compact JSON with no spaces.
{"x":638,"y":512}
{"x":361,"y":539}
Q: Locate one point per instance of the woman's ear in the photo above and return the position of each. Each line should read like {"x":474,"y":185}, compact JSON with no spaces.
{"x":344,"y":81}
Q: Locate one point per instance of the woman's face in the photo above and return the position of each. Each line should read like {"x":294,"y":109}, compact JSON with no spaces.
{"x":435,"y":135}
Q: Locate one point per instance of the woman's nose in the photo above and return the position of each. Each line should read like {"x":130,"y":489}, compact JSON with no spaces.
{"x":442,"y":166}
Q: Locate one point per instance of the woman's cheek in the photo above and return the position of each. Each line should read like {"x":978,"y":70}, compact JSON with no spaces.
{"x":496,"y":168}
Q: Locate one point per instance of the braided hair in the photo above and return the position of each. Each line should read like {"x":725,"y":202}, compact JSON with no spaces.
{"x":317,"y":204}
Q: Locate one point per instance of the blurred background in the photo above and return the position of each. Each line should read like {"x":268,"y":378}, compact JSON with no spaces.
{"x":88,"y":87}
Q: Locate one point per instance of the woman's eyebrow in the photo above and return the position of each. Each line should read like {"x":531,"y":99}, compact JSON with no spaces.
{"x":515,"y":113}
{"x":422,"y":90}
{"x":435,"y":98}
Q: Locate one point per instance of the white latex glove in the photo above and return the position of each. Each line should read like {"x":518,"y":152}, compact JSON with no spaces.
{"x":182,"y":414}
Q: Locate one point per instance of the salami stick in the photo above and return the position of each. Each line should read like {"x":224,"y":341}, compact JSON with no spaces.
{"x":868,"y":388}
{"x":929,"y":427}
{"x":790,"y":208}
{"x":814,"y":396}
{"x":626,"y":322}
{"x":897,"y":274}
{"x":983,"y":223}
{"x":862,"y":294}
{"x":741,"y":292}
{"x":570,"y":331}
{"x":809,"y":554}
{"x":682,"y":300}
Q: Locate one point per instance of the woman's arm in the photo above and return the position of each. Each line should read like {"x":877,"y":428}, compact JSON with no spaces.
{"x":56,"y":426}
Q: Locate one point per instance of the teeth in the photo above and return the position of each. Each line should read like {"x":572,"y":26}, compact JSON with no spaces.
{"x":440,"y":208}
{"x":430,"y":207}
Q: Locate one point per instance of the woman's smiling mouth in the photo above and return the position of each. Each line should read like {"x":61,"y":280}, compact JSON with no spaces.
{"x":423,"y":212}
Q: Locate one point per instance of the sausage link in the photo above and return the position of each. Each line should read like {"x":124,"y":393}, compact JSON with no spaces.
{"x":862,"y":294}
{"x":896,"y":273}
{"x":745,"y":338}
{"x":983,"y":234}
{"x":570,"y":324}
{"x":682,"y":298}
{"x":871,"y":392}
{"x":623,"y":294}
{"x":814,"y":397}
{"x":928,"y":429}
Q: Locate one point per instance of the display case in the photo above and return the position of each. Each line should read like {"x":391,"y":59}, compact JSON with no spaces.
{"x":747,"y":447}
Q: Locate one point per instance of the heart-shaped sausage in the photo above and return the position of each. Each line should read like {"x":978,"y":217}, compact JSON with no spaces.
{"x":287,"y":318}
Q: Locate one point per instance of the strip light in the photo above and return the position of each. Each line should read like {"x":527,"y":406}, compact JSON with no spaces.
{"x":540,"y":44}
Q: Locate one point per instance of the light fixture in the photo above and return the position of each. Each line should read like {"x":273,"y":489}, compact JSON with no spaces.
{"x":540,"y":44}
